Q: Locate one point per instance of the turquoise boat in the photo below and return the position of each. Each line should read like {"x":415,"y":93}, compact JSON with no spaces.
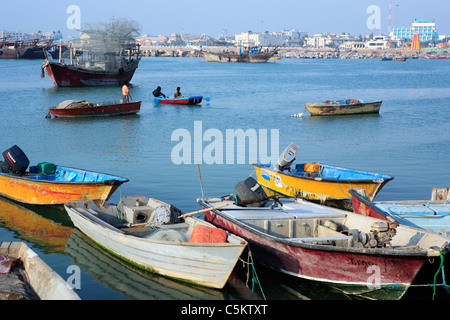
{"x":433,"y":214}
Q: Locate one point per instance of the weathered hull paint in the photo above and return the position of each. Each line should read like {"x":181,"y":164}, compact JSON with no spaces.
{"x":347,"y":270}
{"x":104,"y":110}
{"x":69,"y":76}
{"x":431,"y":215}
{"x":47,"y":284}
{"x":312,"y":188}
{"x":52,"y":192}
{"x":225,"y":57}
{"x":344,"y":109}
{"x":203,"y":264}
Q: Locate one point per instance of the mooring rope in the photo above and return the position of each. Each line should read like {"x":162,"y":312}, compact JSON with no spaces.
{"x":255,"y":279}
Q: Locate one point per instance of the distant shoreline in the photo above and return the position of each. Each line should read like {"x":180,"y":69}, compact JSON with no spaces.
{"x":186,"y":51}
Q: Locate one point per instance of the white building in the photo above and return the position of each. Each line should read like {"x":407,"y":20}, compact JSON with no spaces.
{"x":284,"y":38}
{"x":322,"y":40}
{"x":378,"y":42}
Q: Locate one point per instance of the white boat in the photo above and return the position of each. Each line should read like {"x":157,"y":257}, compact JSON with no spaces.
{"x":32,"y":278}
{"x":151,"y":234}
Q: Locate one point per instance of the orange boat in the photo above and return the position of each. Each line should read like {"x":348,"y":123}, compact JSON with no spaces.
{"x":48,"y":183}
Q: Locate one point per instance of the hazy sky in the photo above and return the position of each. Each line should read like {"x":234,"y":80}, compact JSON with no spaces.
{"x":234,"y":16}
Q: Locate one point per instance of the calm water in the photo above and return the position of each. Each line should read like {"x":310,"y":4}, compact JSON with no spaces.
{"x":409,"y":139}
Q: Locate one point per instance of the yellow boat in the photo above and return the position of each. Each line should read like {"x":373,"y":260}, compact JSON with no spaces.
{"x":48,"y":183}
{"x":65,"y":184}
{"x":316,"y":181}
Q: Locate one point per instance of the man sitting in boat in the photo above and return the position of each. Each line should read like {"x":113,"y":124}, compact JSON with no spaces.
{"x":157,"y":93}
{"x":126,"y":93}
{"x":177,"y":93}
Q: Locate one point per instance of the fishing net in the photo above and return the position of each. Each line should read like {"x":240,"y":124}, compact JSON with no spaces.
{"x":111,"y":36}
{"x":165,"y":214}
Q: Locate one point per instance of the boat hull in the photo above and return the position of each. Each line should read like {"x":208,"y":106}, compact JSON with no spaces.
{"x":45,"y":192}
{"x":343,"y":109}
{"x":184,"y":100}
{"x":103,"y":110}
{"x":224,"y":57}
{"x":47,"y":284}
{"x":347,"y":270}
{"x":205,"y":264}
{"x":431,"y":215}
{"x":315,"y":188}
{"x":70,"y":76}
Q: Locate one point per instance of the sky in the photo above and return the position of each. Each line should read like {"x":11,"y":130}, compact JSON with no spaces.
{"x":213,"y":17}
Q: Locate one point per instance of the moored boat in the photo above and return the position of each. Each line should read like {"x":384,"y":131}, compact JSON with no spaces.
{"x":359,"y":255}
{"x":182,"y":100}
{"x":252,"y":55}
{"x":152,"y":235}
{"x":79,"y":108}
{"x":316,"y":181}
{"x":431,"y":214}
{"x":48,"y":183}
{"x":25,"y":276}
{"x":106,"y":55}
{"x":342,"y":107}
{"x":32,"y":49}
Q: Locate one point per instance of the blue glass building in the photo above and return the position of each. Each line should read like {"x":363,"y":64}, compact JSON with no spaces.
{"x":426,"y":29}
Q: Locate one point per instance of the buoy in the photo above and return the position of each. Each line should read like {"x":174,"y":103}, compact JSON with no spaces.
{"x":297,"y":115}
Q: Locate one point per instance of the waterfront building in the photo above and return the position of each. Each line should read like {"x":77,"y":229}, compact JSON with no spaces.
{"x":331,"y":40}
{"x":426,"y":29}
{"x":284,"y":38}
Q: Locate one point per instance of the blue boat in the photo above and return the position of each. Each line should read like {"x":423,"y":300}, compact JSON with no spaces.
{"x":433,"y":214}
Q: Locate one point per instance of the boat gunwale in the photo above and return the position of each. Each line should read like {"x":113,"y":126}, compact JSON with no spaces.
{"x":90,"y":108}
{"x":131,"y":67}
{"x":105,"y":182}
{"x":329,"y":248}
{"x":378,"y":180}
{"x":359,"y":104}
{"x":93,"y":220}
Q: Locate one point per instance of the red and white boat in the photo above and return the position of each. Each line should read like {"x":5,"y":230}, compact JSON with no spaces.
{"x":356,"y":254}
{"x":84,"y":109}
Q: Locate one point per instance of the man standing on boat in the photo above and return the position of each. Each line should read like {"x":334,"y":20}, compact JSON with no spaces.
{"x":126,"y":93}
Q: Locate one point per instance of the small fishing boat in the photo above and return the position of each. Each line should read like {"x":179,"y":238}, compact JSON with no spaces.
{"x":82,"y":108}
{"x":400,"y":58}
{"x":316,"y":181}
{"x":182,"y":100}
{"x":25,"y":276}
{"x":152,"y":235}
{"x":47,"y":183}
{"x":342,"y":107}
{"x":358,"y":255}
{"x":431,"y":214}
{"x":386,"y":58}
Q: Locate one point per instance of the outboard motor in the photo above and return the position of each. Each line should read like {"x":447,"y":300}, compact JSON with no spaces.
{"x":249,"y":189}
{"x":15,"y":161}
{"x":287,"y":157}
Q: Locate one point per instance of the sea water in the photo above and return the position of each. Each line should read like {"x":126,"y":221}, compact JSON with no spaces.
{"x":409,"y":140}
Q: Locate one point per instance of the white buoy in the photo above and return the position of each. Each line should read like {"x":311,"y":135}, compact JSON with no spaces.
{"x":297,"y":115}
